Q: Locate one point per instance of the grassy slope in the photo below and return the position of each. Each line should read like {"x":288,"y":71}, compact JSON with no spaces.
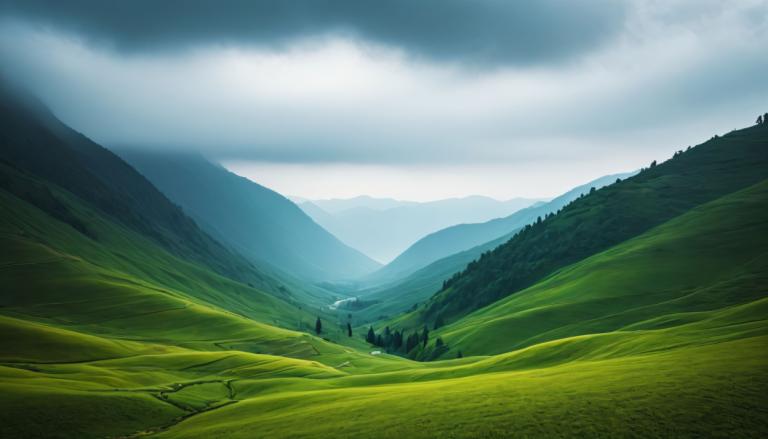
{"x":115,"y":336}
{"x":396,"y":297}
{"x":708,"y":391}
{"x":74,"y":310}
{"x":665,"y":335}
{"x":392,"y":299}
{"x":713,"y":257}
{"x":603,"y":219}
{"x":690,"y":362}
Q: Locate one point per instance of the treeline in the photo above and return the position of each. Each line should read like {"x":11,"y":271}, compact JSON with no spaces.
{"x":415,"y":345}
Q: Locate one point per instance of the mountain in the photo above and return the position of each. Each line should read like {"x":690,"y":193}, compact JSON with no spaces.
{"x":337,"y":205}
{"x":119,"y":321}
{"x":462,"y":237}
{"x":604,"y":218}
{"x":706,"y":264}
{"x":34,"y":142}
{"x":382,"y":228}
{"x":256,"y":221}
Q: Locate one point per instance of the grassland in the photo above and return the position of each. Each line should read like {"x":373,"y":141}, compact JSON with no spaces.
{"x":118,"y":323}
{"x":664,"y":335}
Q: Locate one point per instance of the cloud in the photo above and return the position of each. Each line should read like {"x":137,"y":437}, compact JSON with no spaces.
{"x":465,"y":31}
{"x":677,"y":73}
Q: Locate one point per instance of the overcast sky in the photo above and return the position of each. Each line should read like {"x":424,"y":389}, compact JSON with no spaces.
{"x":409,"y":99}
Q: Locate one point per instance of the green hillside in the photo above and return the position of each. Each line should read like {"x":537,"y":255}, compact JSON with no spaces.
{"x":604,"y":218}
{"x":384,"y":301}
{"x":136,"y":355}
{"x":130,"y":326}
{"x":708,"y":262}
{"x":258,"y":222}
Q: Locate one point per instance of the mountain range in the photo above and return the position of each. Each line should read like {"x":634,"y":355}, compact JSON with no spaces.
{"x":257,"y":222}
{"x":383,"y":228}
{"x":635,"y":309}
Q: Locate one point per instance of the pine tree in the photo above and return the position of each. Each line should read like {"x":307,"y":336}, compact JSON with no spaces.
{"x":349,"y":330}
{"x":425,"y":335}
{"x":459,"y":355}
{"x":318,"y":326}
{"x":439,"y":323}
{"x":371,"y":337}
{"x":439,"y":342}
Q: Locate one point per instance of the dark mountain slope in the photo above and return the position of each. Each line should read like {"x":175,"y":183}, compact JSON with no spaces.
{"x":34,"y":142}
{"x":605,"y":218}
{"x":258,"y":222}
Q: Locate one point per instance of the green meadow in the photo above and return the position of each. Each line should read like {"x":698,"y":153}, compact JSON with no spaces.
{"x":664,"y":335}
{"x":638,"y":310}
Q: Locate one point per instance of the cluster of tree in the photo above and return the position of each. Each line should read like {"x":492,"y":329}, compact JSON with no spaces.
{"x":681,"y":152}
{"x":762,"y":119}
{"x":398,"y":341}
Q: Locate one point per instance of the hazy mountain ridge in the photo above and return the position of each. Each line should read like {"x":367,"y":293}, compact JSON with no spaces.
{"x":383,"y":228}
{"x":462,"y":237}
{"x":258,"y":222}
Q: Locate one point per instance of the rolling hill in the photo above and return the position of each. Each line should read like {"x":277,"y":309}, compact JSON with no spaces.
{"x":122,"y":323}
{"x":258,"y":222}
{"x":708,"y":262}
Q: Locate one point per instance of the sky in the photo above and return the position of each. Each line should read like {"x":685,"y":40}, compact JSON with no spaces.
{"x":416,"y":100}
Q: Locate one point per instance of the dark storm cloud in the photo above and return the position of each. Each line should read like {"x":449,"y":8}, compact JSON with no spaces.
{"x":477,"y":31}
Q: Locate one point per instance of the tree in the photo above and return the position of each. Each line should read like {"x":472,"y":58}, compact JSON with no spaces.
{"x":459,"y":355}
{"x":653,"y":164}
{"x":439,"y":323}
{"x":318,"y":326}
{"x":412,"y":342}
{"x":397,"y":341}
{"x":592,"y":190}
{"x":425,"y":335}
{"x":760,"y":119}
{"x":371,"y":336}
{"x":439,"y":342}
{"x":349,"y":330}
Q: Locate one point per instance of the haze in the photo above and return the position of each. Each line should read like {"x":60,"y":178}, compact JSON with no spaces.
{"x":415,"y":102}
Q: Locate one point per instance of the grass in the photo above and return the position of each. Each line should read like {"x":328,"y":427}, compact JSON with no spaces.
{"x":684,"y":393}
{"x":681,"y":360}
{"x":110,"y":335}
{"x":603,"y":219}
{"x":713,"y":257}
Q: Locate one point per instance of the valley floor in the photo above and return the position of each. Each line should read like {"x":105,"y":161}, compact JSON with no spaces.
{"x":686,"y":383}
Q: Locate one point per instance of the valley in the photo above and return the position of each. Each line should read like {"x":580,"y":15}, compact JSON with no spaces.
{"x":634,"y":306}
